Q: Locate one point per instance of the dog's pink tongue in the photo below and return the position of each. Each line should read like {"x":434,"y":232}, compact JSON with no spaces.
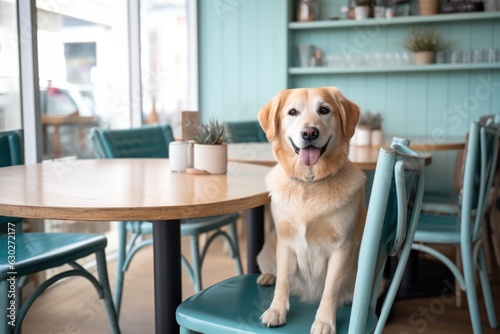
{"x":309,"y":155}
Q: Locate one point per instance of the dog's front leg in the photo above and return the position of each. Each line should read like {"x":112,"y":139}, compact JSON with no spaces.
{"x":275,"y":315}
{"x":326,"y":316}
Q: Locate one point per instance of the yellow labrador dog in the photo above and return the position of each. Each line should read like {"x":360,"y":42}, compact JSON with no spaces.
{"x":317,"y":198}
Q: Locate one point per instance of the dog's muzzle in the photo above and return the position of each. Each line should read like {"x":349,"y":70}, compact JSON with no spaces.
{"x":310,"y":155}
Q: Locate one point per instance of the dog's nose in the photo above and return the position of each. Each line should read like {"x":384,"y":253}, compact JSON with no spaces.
{"x":309,"y":133}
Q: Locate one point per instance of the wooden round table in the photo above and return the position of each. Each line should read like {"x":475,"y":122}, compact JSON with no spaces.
{"x":139,"y":189}
{"x":365,"y":157}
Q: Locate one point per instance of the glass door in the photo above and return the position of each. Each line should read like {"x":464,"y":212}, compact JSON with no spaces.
{"x":10,"y":102}
{"x":164,"y":60}
{"x":84,"y":72}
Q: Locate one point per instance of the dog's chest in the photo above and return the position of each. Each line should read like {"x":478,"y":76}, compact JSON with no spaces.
{"x":307,"y":204}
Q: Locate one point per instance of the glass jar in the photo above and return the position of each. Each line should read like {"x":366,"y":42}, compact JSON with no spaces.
{"x":307,"y":10}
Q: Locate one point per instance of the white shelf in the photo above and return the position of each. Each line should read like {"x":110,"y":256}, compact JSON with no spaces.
{"x":391,"y":69}
{"x":394,"y":21}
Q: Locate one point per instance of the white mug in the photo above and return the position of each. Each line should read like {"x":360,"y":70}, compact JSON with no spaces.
{"x":178,"y":156}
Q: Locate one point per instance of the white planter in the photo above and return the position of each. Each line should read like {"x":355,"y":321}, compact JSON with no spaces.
{"x":361,"y":12}
{"x":363,"y":136}
{"x":423,"y":57}
{"x":354,"y":139}
{"x":377,"y":138}
{"x":211,"y":158}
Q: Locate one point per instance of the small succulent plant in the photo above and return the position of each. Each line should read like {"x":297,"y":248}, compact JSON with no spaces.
{"x":363,"y":2}
{"x":370,"y":120}
{"x":211,"y":133}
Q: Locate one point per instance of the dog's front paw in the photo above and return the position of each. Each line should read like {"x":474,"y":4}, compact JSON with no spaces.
{"x":273,"y":317}
{"x":322,"y":328}
{"x":266,"y":279}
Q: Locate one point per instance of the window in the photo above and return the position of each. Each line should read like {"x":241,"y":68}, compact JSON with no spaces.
{"x":10,"y":103}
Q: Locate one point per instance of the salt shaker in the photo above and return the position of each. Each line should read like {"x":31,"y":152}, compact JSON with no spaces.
{"x":178,"y":156}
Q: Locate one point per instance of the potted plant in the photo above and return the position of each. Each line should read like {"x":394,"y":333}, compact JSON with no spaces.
{"x":362,"y":9}
{"x":210,"y":152}
{"x":377,"y":136}
{"x":363,"y":130}
{"x":428,"y":7}
{"x":423,"y":43}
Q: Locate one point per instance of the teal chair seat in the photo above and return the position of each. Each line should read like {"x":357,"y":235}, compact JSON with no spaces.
{"x":40,"y":251}
{"x":438,"y":229}
{"x":152,"y":141}
{"x":36,"y":252}
{"x":235,"y":305}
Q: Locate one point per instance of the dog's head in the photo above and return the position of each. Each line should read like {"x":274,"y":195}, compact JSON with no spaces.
{"x":310,"y":129}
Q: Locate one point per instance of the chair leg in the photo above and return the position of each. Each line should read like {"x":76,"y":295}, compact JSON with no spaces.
{"x":485,"y":285}
{"x":458,"y":290}
{"x":4,"y":304}
{"x":122,"y":244}
{"x":235,"y":253}
{"x":196,"y":262}
{"x":469,"y":274}
{"x":102,"y":273}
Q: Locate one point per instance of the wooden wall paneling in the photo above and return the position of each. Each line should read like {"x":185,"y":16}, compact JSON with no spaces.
{"x":231,"y":53}
{"x":458,"y":115}
{"x":495,"y":93}
{"x":211,"y":42}
{"x":394,"y":116}
{"x":416,"y":104}
{"x":249,"y":77}
{"x":243,"y":52}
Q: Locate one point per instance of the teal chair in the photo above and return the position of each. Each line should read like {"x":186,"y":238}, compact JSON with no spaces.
{"x":152,"y":142}
{"x":245,"y":132}
{"x":35,"y":252}
{"x":235,"y":305}
{"x":11,"y":154}
{"x":461,"y":225}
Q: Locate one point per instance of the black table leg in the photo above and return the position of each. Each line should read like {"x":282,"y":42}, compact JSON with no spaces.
{"x":167,"y":274}
{"x":255,"y":237}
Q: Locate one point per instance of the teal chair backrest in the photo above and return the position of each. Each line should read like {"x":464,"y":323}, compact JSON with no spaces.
{"x":11,"y":148}
{"x":479,"y":171}
{"x":392,"y":217}
{"x":11,"y":154}
{"x":246,"y":132}
{"x":149,"y":141}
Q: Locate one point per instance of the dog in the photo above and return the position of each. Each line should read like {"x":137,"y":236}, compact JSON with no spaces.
{"x":317,"y":203}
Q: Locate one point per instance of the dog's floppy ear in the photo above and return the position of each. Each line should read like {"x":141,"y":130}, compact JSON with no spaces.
{"x":349,"y":113}
{"x":269,"y":116}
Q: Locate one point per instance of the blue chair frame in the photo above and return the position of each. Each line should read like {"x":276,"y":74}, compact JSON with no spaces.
{"x":235,"y":305}
{"x":461,"y":225}
{"x":152,"y":141}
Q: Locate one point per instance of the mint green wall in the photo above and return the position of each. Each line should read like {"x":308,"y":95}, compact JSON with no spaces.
{"x":246,"y":48}
{"x":242,"y":56}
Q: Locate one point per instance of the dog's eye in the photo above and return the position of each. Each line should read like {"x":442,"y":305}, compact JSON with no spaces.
{"x":324,"y":110}
{"x":292,"y":112}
